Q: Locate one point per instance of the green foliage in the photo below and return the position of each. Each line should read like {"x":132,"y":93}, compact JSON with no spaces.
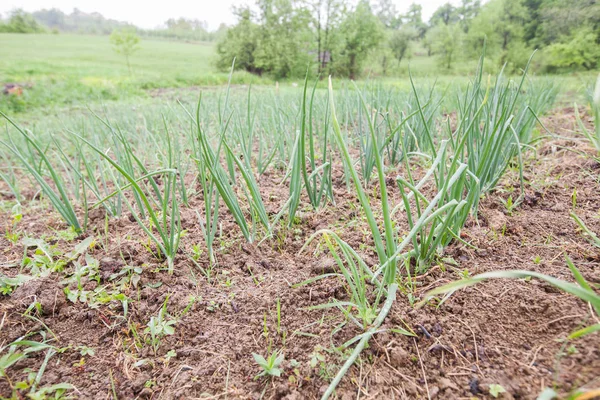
{"x":550,"y":394}
{"x":162,"y":209}
{"x":555,"y":21}
{"x":282,"y":39}
{"x":360,"y":32}
{"x":318,"y":185}
{"x":386,"y":11}
{"x":593,"y":135}
{"x":186,"y":29}
{"x":400,"y":42}
{"x":359,"y":309}
{"x":125,"y":41}
{"x":36,"y":161}
{"x":239,"y":43}
{"x":580,"y":50}
{"x":276,"y":46}
{"x":76,"y":22}
{"x":8,"y":284}
{"x":160,"y":326}
{"x":487,"y":136}
{"x":496,"y":389}
{"x":501,"y":25}
{"x":279,"y":42}
{"x":21,"y":22}
{"x":446,"y":43}
{"x":271,"y":365}
{"x":445,"y":14}
{"x":591,"y":236}
{"x":414,"y":19}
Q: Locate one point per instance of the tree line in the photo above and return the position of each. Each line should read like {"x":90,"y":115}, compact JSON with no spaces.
{"x":55,"y":20}
{"x":281,"y":38}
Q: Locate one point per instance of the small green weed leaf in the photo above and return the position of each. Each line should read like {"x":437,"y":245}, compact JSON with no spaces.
{"x":496,"y":389}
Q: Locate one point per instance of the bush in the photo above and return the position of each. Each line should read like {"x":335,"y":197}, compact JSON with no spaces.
{"x":579,"y":51}
{"x":21,"y":22}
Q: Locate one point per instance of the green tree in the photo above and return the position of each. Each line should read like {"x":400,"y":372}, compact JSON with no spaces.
{"x":400,"y":42}
{"x":558,"y":20}
{"x":239,"y":42}
{"x":446,"y":42}
{"x":326,"y":18}
{"x":386,"y":11}
{"x":414,"y":19}
{"x":580,"y":51}
{"x":284,"y":38}
{"x":189,"y":29}
{"x":78,"y":21}
{"x":446,"y":14}
{"x":21,"y":22}
{"x":360,"y":33}
{"x":501,"y":24}
{"x":468,"y":10}
{"x":125,"y":41}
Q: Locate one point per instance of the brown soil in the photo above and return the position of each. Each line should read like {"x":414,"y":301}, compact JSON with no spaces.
{"x":506,"y":332}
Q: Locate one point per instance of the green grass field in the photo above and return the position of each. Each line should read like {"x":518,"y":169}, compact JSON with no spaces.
{"x":92,"y":58}
{"x":62,"y":70}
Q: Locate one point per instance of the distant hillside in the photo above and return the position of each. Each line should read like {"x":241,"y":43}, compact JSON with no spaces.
{"x":94,"y":23}
{"x":77,"y":22}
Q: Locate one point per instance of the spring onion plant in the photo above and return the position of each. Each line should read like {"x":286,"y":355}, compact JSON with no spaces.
{"x":210,"y":219}
{"x":458,"y":191}
{"x":390,"y":252}
{"x":9,"y":177}
{"x":593,"y":136}
{"x":356,"y":274}
{"x":210,"y":159}
{"x":485,"y":138}
{"x":538,"y":98}
{"x":37,"y":163}
{"x":318,"y":187}
{"x":166,"y":221}
{"x":591,"y":236}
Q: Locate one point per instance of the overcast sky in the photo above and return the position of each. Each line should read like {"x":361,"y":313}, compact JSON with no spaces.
{"x":150,"y":14}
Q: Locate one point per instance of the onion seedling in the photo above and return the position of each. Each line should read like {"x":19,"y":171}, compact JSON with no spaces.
{"x":58,"y":197}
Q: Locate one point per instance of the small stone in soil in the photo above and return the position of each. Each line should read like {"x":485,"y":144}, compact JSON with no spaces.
{"x":474,"y":386}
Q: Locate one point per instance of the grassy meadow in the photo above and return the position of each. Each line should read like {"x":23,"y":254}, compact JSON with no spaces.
{"x":386,"y":238}
{"x":60,"y":70}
